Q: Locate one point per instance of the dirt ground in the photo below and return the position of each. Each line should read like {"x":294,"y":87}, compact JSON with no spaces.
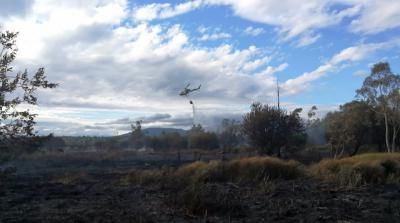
{"x":59,"y":189}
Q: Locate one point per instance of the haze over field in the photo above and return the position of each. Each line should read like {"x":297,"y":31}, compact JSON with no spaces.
{"x":119,"y":61}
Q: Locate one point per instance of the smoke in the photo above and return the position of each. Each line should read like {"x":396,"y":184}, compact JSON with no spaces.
{"x":316,"y":134}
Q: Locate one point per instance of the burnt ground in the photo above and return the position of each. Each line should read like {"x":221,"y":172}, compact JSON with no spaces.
{"x":44,"y":190}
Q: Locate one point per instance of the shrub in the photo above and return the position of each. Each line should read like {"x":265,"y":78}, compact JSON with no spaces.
{"x":359,"y":170}
{"x":246,"y":170}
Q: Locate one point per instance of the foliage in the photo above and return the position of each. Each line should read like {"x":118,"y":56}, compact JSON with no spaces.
{"x":171,"y":140}
{"x":16,"y":89}
{"x":137,"y":135}
{"x":380,"y":90}
{"x":350,"y":127}
{"x":269,"y":128}
{"x":312,"y":114}
{"x":200,"y":139}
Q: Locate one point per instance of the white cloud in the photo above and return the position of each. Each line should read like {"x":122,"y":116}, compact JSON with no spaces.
{"x":291,"y":18}
{"x":376,"y":16}
{"x":202,"y":29}
{"x":356,"y":53}
{"x":306,"y":40}
{"x":350,"y":54}
{"x":45,"y":17}
{"x":164,"y":10}
{"x":103,"y":66}
{"x":360,"y":73}
{"x":251,"y":31}
{"x":212,"y":34}
{"x":255,"y":64}
{"x":215,"y":36}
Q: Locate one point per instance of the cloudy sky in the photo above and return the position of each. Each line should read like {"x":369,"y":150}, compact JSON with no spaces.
{"x":118,"y":61}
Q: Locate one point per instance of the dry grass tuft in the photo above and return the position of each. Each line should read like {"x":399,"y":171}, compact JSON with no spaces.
{"x":71,"y":178}
{"x":147,"y":177}
{"x":247,"y":170}
{"x":203,"y":186}
{"x":371,"y":168}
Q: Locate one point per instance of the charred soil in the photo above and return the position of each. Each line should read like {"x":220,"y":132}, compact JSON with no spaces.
{"x":104,"y":196}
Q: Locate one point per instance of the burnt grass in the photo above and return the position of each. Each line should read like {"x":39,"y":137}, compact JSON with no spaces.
{"x":56,"y":189}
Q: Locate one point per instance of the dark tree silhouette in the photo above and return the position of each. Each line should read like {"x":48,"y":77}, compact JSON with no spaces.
{"x":137,"y":135}
{"x":270,"y":128}
{"x":351,"y":127}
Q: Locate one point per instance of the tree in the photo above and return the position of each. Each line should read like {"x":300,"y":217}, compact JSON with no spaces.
{"x":204,"y":140}
{"x":164,"y":141}
{"x":394,"y":115}
{"x":379,"y":90}
{"x":312,"y":114}
{"x":350,"y":127}
{"x":137,"y":135}
{"x":230,"y":134}
{"x":200,"y":139}
{"x":294,"y":127}
{"x":16,"y":124}
{"x":270,"y":128}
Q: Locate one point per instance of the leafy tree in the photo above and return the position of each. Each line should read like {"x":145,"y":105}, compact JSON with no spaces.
{"x":174,"y":140}
{"x":137,"y":135}
{"x":269,"y":128}
{"x":295,"y":129}
{"x":167,"y":141}
{"x":204,"y":140}
{"x":198,"y":138}
{"x":312,"y":113}
{"x":16,"y":124}
{"x":196,"y":129}
{"x":379,"y":90}
{"x":350,"y":127}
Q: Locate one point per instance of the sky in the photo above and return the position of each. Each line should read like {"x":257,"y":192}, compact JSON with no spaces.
{"x":118,"y":61}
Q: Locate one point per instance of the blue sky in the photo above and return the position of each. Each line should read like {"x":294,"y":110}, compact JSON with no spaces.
{"x":119,"y":61}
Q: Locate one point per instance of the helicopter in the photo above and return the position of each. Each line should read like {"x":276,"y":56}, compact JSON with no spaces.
{"x":186,"y":91}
